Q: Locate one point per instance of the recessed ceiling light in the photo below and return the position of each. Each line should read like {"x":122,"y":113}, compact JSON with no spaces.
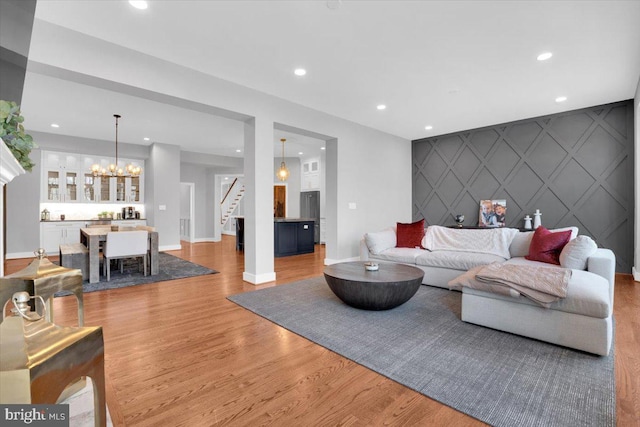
{"x":428,"y":127}
{"x":226,"y":177}
{"x":381,"y":107}
{"x":544,"y":56}
{"x":322,"y":148}
{"x":139,"y":4}
{"x":300,"y":153}
{"x":55,"y":125}
{"x":300,"y":72}
{"x":146,"y":139}
{"x":561,"y":99}
{"x":238,"y":151}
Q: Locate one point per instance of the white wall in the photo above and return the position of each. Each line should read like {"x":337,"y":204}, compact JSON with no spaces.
{"x":372,"y":169}
{"x":636,"y":250}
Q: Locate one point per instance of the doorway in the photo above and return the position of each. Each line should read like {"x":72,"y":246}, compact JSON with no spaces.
{"x":279,"y":200}
{"x":187,"y":211}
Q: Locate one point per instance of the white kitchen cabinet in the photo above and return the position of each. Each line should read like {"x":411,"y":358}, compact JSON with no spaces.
{"x":311,"y":175}
{"x":128,"y":189}
{"x":67,"y":177}
{"x":61,"y":177}
{"x":54,"y":234}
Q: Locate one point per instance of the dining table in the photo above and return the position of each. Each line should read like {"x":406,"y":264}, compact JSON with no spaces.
{"x":92,"y":237}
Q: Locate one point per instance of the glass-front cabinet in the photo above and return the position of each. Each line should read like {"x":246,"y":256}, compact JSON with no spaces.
{"x":68,"y":178}
{"x":134,"y":190}
{"x":127,"y":189}
{"x":61,"y":177}
{"x":91,"y":188}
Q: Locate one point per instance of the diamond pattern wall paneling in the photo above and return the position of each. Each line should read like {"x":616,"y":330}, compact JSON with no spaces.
{"x":576,"y":167}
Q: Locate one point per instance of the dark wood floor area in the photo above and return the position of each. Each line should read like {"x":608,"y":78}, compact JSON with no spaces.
{"x":178,"y":353}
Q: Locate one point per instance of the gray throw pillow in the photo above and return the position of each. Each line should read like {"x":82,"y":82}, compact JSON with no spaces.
{"x":380,"y":241}
{"x":575,"y":253}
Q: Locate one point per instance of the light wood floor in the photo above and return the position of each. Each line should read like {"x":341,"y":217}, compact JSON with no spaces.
{"x":179,"y":353}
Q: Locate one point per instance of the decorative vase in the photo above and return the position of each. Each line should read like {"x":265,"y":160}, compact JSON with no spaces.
{"x":537,"y":222}
{"x":527,"y":222}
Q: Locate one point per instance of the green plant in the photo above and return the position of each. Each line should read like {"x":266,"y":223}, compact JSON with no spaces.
{"x":13,"y":135}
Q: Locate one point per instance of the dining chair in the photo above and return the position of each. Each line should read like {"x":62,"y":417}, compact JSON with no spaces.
{"x":147,"y":228}
{"x":125,"y":244}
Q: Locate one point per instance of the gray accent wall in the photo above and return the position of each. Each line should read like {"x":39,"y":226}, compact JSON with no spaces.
{"x":577,"y":167}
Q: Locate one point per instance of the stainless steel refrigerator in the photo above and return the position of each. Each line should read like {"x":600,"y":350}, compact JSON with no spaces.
{"x":310,"y":208}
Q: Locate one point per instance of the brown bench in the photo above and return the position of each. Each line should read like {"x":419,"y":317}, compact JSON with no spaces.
{"x":75,"y":255}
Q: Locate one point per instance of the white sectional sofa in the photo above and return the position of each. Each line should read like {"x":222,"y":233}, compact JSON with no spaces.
{"x":582,"y":320}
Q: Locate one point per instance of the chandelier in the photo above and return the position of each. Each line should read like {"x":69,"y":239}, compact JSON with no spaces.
{"x":283,"y":172}
{"x":113,"y":169}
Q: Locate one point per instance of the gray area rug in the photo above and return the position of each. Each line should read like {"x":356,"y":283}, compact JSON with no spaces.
{"x":496,"y":377}
{"x":170,"y":268}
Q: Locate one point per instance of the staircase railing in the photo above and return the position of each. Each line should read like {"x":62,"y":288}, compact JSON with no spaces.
{"x":233,"y":205}
{"x":228,"y":191}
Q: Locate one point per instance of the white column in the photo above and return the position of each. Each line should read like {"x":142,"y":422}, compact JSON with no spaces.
{"x":9,"y":169}
{"x":258,"y":217}
{"x":636,"y":147}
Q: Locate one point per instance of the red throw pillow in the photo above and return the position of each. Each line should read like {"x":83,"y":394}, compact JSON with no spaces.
{"x":410,"y":235}
{"x":546,"y":246}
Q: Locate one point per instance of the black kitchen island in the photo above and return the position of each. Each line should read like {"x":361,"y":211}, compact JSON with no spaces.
{"x":293,"y":236}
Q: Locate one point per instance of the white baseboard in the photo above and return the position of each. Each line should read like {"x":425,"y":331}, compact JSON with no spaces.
{"x":16,"y":255}
{"x":636,"y":274}
{"x":258,"y":279}
{"x":170,"y":248}
{"x":205,"y":239}
{"x":329,"y":261}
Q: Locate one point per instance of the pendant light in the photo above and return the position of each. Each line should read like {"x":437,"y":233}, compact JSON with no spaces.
{"x":113,"y":169}
{"x":283,"y":172}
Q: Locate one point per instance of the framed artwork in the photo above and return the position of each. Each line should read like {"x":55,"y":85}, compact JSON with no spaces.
{"x":492,"y":213}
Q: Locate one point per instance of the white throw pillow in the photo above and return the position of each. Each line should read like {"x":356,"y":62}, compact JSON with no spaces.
{"x":380,"y":241}
{"x":520,"y":244}
{"x":575,"y":253}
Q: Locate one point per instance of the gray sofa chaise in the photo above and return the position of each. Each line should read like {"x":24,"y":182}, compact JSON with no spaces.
{"x":582,"y":320}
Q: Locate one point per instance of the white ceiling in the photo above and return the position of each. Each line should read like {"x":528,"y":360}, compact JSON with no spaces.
{"x":453,"y":65}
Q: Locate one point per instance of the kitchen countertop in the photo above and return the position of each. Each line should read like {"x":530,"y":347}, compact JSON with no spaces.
{"x":106,"y":221}
{"x":283,"y":219}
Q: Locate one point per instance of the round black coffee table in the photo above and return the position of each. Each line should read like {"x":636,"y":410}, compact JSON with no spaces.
{"x":391,"y":285}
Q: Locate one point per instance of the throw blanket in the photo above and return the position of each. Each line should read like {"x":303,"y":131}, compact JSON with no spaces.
{"x":494,"y":241}
{"x":543,"y":285}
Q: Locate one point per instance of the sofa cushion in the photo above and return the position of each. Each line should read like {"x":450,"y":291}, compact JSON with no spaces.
{"x":410,"y":235}
{"x":575,"y":253}
{"x":380,"y":241}
{"x":456,"y":260}
{"x":546,"y":245}
{"x":403,"y":255}
{"x":587,"y":294}
{"x":520,"y":244}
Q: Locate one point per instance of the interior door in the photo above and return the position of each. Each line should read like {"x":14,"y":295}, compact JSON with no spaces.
{"x":279,"y":201}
